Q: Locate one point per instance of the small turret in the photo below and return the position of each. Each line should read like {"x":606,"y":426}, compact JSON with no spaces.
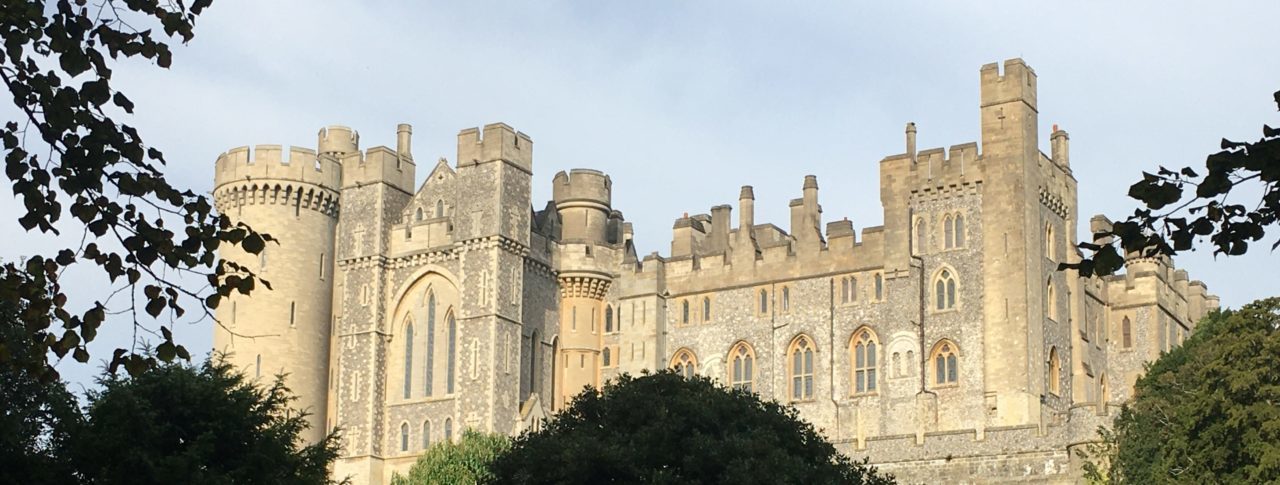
{"x":404,"y":135}
{"x":338,"y":141}
{"x":911,"y":141}
{"x":1060,"y":146}
{"x":583,"y":198}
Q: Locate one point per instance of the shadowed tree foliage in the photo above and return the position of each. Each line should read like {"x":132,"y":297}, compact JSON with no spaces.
{"x":662,"y":428}
{"x":1206,"y":412}
{"x":38,"y":419}
{"x":463,"y":463}
{"x":1183,"y":206}
{"x":65,"y":155}
{"x":197,"y":424}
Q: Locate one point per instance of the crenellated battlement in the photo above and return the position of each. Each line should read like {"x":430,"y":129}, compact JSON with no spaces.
{"x":277,"y":163}
{"x":582,"y":186}
{"x":497,"y":142}
{"x":1016,"y":83}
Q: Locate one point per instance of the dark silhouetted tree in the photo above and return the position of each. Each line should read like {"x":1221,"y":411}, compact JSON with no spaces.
{"x":663,"y":428}
{"x":66,"y":156}
{"x":1206,"y":412}
{"x":1182,"y":206}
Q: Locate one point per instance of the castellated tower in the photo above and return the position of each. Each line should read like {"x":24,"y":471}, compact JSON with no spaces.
{"x":582,"y":199}
{"x":291,"y":194}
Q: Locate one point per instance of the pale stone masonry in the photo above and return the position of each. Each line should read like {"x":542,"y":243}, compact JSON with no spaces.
{"x":945,"y":346}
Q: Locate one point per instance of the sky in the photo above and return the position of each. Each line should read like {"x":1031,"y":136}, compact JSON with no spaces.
{"x":683,"y":102}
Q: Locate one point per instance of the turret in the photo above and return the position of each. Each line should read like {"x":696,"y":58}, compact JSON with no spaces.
{"x":583,"y":200}
{"x":338,"y":141}
{"x":1060,"y":145}
{"x":911,"y":141}
{"x":404,"y":135}
{"x":291,"y":194}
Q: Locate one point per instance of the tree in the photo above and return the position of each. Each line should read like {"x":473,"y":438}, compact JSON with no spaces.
{"x":1206,"y":412}
{"x":662,"y":428}
{"x":1182,"y":206}
{"x":197,"y":424}
{"x":465,"y":462}
{"x":38,"y":418}
{"x":67,"y":156}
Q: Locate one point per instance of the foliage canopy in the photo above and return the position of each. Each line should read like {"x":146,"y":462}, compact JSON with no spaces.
{"x":65,"y":155}
{"x":464,"y":463}
{"x":663,"y":428}
{"x":1208,"y":411}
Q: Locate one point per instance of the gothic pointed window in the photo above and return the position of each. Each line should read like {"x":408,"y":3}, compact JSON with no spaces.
{"x":944,"y":291}
{"x":879,"y":287}
{"x":844,"y":290}
{"x":453,"y":351}
{"x":764,"y":301}
{"x":1126,"y":333}
{"x":1054,"y":372}
{"x":426,"y":434}
{"x":1048,"y":241}
{"x":921,"y":236}
{"x":959,"y":223}
{"x":800,"y":370}
{"x":1051,"y":302}
{"x":417,"y":216}
{"x":945,"y":363}
{"x":429,"y":366}
{"x":684,"y":312}
{"x":949,"y":234}
{"x":742,"y":367}
{"x":706,"y":309}
{"x":404,"y":436}
{"x":606,"y":358}
{"x":865,"y":362}
{"x":608,"y":319}
{"x":448,"y":430}
{"x":439,"y":208}
{"x":786,"y":299}
{"x":685,"y":363}
{"x":408,"y":358}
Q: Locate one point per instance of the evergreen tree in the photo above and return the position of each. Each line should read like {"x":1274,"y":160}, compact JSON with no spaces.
{"x":463,"y":463}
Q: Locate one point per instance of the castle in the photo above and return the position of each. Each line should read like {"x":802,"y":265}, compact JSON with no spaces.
{"x":944,"y":345}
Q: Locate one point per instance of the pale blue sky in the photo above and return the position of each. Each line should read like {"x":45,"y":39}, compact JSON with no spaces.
{"x":721,"y":93}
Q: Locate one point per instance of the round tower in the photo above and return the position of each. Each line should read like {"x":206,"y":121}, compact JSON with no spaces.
{"x":582,"y":199}
{"x":291,"y":194}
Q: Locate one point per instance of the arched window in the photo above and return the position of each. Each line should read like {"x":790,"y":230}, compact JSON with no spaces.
{"x":1126,"y":333}
{"x":742,"y":360}
{"x":417,"y":216}
{"x":959,"y":230}
{"x":1048,"y":241}
{"x":949,"y":234}
{"x":606,"y":357}
{"x":848,"y":289}
{"x":706,"y":309}
{"x":944,"y":291}
{"x":800,"y":357}
{"x":608,"y":319}
{"x":426,"y":434}
{"x":945,"y":363}
{"x":863,"y":346}
{"x":448,"y":430}
{"x":408,"y":358}
{"x":429,"y":366}
{"x":920,"y":236}
{"x":1054,"y":372}
{"x":1103,"y":397}
{"x":439,"y":208}
{"x":257,"y":366}
{"x":685,"y":363}
{"x":404,"y":436}
{"x":1051,"y":302}
{"x":534,"y":346}
{"x":786,"y":299}
{"x":879,"y":287}
{"x":452,"y":355}
{"x":684,"y":312}
{"x":764,"y":301}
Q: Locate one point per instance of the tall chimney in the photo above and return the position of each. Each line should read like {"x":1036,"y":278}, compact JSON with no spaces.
{"x":911,"y":141}
{"x":1061,"y":145}
{"x":404,"y":133}
{"x":746,"y":209}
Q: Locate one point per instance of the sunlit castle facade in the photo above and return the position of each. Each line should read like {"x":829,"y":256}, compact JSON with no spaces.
{"x":943,"y":345}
